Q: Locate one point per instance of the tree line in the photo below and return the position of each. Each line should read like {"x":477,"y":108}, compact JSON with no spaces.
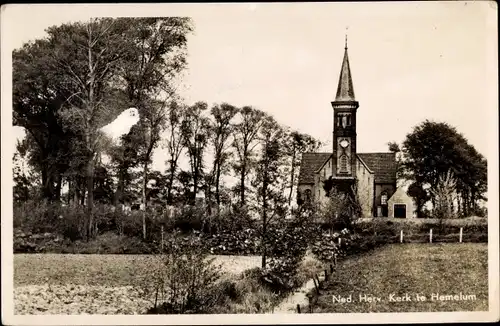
{"x":443,"y":168}
{"x":71,"y":83}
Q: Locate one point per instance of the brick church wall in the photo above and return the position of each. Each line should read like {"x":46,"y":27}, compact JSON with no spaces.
{"x":365,"y":188}
{"x":324,"y":174}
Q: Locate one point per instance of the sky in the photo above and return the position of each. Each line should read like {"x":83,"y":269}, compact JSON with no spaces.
{"x":409,"y":61}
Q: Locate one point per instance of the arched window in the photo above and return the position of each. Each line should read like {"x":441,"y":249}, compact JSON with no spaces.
{"x":308,"y":195}
{"x":383,"y":198}
{"x":343,"y":163}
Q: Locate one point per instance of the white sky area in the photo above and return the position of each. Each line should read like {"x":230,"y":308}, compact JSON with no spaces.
{"x":409,"y":61}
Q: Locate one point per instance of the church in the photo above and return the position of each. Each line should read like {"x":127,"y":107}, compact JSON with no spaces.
{"x":373,"y":175}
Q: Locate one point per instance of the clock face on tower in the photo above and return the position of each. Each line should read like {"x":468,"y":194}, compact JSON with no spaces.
{"x":343,"y":156}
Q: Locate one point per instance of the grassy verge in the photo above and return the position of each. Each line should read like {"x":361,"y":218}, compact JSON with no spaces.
{"x":413,"y":269}
{"x":106,"y":270}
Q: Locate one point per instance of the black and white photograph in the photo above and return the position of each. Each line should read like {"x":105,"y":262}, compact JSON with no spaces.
{"x":250,"y":163}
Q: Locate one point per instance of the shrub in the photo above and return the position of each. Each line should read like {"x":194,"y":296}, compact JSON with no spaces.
{"x":252,"y":296}
{"x":243,"y":242}
{"x":36,"y":216}
{"x":341,"y":210}
{"x":183,"y":280}
{"x":286,"y":244}
{"x":73,"y":222}
{"x":131,"y":223}
{"x":187,"y":218}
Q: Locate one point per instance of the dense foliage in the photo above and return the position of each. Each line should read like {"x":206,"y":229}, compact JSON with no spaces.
{"x":434,"y":150}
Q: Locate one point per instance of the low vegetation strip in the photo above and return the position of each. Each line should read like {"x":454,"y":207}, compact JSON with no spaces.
{"x":71,"y":299}
{"x":106,"y":270}
{"x":451,"y":277}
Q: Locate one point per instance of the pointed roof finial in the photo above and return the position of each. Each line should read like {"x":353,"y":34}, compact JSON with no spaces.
{"x":347,"y":27}
{"x":345,"y":90}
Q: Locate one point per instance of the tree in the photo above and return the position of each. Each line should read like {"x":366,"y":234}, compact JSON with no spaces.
{"x":268,"y":180}
{"x":245,"y":140}
{"x":433,"y":149}
{"x":296,"y":145}
{"x":420,"y":196}
{"x":22,"y":185}
{"x":92,"y":72}
{"x":174,"y":143}
{"x":88,"y":55}
{"x":443,"y":195}
{"x":103,"y":185}
{"x":220,"y":130}
{"x":124,"y":157}
{"x":195,"y":137}
{"x":342,"y":207}
{"x":157,"y":56}
{"x":37,"y":99}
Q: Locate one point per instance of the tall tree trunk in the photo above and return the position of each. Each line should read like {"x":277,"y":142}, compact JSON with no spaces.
{"x":264,"y":224}
{"x":195,"y":187}
{"x":242,"y":183}
{"x":170,"y":185}
{"x":76,"y":199}
{"x":70,"y":191}
{"x":144,"y":199}
{"x":292,"y":178}
{"x":120,"y":188}
{"x":57,"y":193}
{"x":217,"y":190}
{"x":90,"y":197}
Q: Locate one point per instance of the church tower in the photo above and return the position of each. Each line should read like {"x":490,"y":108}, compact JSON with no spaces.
{"x":344,"y":126}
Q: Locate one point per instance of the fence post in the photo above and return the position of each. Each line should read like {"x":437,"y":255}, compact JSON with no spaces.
{"x":401,"y":237}
{"x":331,"y":268}
{"x":460,"y":238}
{"x":326,"y":275}
{"x":298,"y":308}
{"x":430,"y":236}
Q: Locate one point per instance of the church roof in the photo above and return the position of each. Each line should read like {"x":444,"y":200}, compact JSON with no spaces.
{"x":345,"y":90}
{"x":310,"y":163}
{"x":383,"y":166}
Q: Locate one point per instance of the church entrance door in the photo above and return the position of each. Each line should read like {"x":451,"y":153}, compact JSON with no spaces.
{"x":400,"y":210}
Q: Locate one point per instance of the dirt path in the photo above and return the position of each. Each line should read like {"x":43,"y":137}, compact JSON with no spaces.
{"x":298,"y":297}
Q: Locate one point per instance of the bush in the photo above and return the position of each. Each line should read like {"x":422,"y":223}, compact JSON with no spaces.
{"x":243,"y":242}
{"x":36,"y":216}
{"x":183,"y":280}
{"x":286,"y":244}
{"x":72,"y":222}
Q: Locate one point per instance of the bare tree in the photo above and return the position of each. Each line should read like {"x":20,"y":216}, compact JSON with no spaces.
{"x":444,"y":195}
{"x":89,"y":54}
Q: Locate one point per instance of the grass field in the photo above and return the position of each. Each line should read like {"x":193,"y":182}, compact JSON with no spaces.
{"x":108,"y":270}
{"x":413,"y":269}
{"x":92,"y":284}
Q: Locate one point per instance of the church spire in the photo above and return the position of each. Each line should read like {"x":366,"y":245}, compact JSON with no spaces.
{"x":345,"y":90}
